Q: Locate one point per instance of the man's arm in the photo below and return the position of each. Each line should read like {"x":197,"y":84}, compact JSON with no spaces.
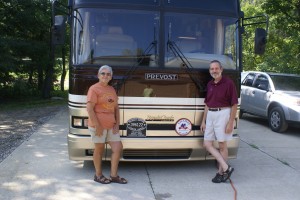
{"x":203,"y":124}
{"x":230,"y":124}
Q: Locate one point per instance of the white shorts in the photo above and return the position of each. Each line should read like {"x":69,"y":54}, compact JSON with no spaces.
{"x":216,"y":122}
{"x":107,"y":136}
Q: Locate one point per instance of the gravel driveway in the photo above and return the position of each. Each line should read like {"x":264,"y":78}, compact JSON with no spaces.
{"x":17,"y":126}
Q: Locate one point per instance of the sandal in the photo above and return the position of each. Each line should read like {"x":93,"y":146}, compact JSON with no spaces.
{"x":118,"y":179}
{"x":101,"y":179}
{"x":218,"y":178}
{"x":227,"y":173}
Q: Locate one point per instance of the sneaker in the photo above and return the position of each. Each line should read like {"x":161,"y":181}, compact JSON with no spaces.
{"x":218,"y":178}
{"x":227,"y":173}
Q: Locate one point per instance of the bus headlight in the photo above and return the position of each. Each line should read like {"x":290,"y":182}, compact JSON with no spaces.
{"x":79,"y":122}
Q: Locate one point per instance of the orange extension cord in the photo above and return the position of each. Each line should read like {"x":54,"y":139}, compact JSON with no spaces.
{"x":235,"y":191}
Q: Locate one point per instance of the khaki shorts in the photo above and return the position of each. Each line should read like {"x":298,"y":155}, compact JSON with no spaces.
{"x":107,"y":136}
{"x":216,"y":123}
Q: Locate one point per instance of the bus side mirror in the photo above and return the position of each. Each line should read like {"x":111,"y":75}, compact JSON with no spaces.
{"x":58,"y":30}
{"x":260,"y":41}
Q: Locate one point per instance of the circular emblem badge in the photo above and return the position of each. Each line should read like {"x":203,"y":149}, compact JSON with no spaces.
{"x":183,"y":126}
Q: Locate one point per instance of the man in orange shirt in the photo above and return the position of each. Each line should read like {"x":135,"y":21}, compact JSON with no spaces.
{"x":103,"y":123}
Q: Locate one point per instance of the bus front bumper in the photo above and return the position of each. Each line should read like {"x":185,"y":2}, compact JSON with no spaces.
{"x":150,"y":148}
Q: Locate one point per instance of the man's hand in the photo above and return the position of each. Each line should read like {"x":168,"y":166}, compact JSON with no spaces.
{"x":203,"y":126}
{"x":229,"y":128}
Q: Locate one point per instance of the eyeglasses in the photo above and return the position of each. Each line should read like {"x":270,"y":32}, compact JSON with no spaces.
{"x":107,"y":74}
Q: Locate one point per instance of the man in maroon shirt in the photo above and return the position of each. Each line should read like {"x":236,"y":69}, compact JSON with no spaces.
{"x":218,"y":119}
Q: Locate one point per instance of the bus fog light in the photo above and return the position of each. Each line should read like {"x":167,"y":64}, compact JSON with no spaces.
{"x":90,"y":152}
{"x":77,"y":122}
{"x":85,"y":122}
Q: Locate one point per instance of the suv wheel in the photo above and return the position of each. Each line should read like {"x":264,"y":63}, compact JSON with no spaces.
{"x":241,"y":113}
{"x":277,"y":120}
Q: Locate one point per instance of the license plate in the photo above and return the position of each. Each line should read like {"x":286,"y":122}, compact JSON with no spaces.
{"x":136,"y":127}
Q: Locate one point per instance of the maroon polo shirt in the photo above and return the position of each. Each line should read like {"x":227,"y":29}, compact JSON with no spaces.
{"x":221,"y":94}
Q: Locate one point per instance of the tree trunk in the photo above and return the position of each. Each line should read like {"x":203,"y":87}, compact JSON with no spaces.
{"x":40,"y":77}
{"x":63,"y":75}
{"x":48,"y":83}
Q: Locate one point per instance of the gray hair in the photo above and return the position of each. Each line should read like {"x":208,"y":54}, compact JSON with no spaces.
{"x":105,"y":67}
{"x":216,"y":61}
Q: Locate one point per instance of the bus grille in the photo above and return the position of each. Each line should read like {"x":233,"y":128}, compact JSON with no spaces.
{"x":157,"y":153}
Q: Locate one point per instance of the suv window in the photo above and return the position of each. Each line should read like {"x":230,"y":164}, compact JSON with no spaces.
{"x":284,"y":82}
{"x":248,"y":81}
{"x":261,"y":82}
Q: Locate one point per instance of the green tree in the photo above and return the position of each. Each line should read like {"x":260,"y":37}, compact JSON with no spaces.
{"x":283,"y":47}
{"x":24,"y":36}
{"x":284,"y":54}
{"x":251,"y":8}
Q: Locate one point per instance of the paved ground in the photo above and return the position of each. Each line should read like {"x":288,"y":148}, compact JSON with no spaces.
{"x":267,"y":167}
{"x":17,"y":126}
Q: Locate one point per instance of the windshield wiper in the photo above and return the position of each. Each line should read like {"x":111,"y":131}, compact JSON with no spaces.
{"x":129,"y":73}
{"x":185,"y":64}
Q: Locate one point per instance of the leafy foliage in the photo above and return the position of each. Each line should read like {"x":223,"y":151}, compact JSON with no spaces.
{"x":25,"y":45}
{"x":250,"y":60}
{"x":283,"y":47}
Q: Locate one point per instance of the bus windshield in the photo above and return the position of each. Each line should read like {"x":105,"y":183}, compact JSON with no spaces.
{"x":111,"y":36}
